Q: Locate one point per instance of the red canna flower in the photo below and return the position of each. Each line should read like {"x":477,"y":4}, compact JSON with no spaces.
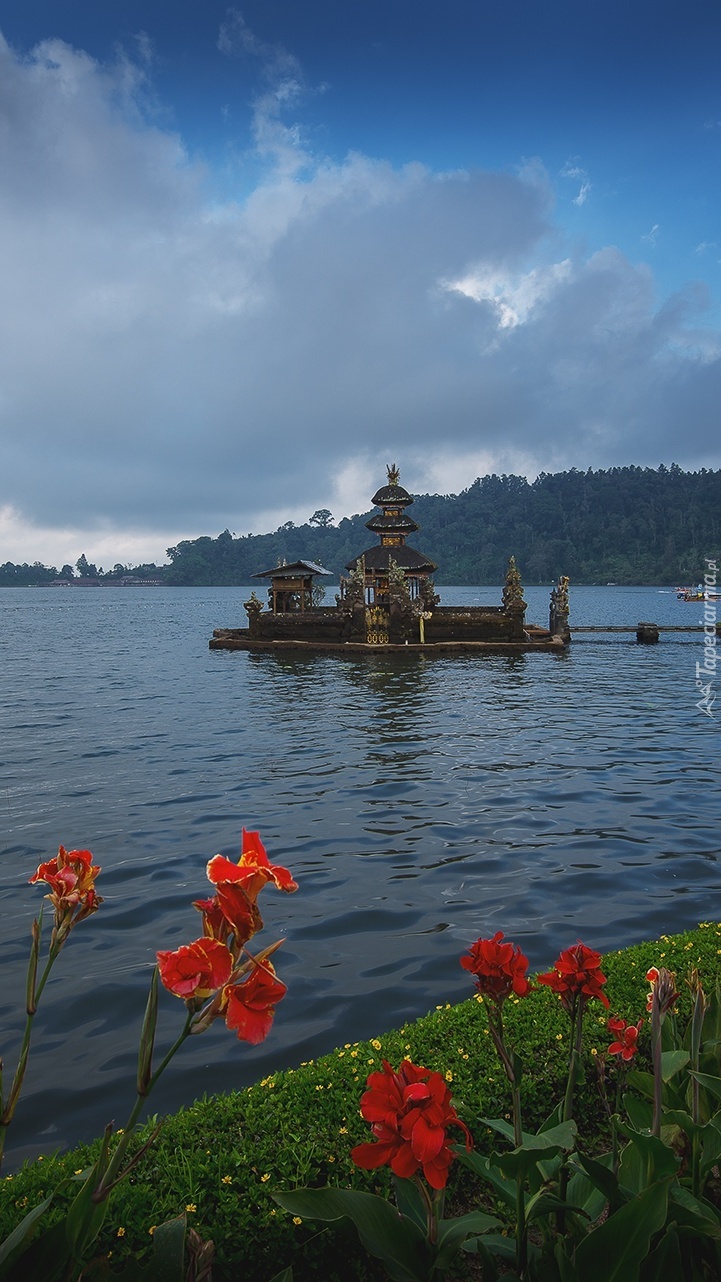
{"x":252,"y":871}
{"x":195,"y":970}
{"x":409,"y":1112}
{"x":626,"y":1037}
{"x":500,"y":969}
{"x":71,"y":878}
{"x":576,"y":977}
{"x":215,"y":923}
{"x":230,"y":911}
{"x":250,"y":1006}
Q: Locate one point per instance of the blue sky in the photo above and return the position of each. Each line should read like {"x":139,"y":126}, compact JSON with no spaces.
{"x":250,"y":254}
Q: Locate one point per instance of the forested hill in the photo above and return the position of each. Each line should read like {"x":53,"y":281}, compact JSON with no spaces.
{"x":625,"y":525}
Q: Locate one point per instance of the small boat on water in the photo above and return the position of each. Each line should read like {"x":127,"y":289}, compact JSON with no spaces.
{"x":697,"y":594}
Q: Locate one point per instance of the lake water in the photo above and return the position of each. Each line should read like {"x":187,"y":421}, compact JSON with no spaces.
{"x":420,"y":802}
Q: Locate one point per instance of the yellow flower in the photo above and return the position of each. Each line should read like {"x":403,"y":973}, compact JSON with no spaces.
{"x":354,"y":1054}
{"x":121,"y":1232}
{"x":297,"y":1219}
{"x":331,"y":1158}
{"x":264,"y":1179}
{"x":376,"y":1043}
{"x":152,"y":1229}
{"x":191,"y":1206}
{"x":449,"y":1076}
{"x":594,"y":1051}
{"x":343,"y":1130}
{"x":78,"y":1172}
{"x":227,"y":1179}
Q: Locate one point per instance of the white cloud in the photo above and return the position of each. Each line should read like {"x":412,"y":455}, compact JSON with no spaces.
{"x":172,"y":363}
{"x":651,"y":237}
{"x":583,"y":194}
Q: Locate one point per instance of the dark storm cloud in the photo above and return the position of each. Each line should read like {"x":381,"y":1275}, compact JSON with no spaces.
{"x":172,"y":362}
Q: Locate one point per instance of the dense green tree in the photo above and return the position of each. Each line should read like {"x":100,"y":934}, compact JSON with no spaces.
{"x":625,"y":525}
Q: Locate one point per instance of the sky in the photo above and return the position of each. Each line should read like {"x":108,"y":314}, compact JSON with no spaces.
{"x":250,"y":255}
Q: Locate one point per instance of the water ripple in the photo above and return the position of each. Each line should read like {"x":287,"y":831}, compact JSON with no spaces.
{"x":419,"y":802}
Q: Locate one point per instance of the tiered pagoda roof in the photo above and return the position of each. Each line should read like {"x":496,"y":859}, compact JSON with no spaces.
{"x":393,"y":525}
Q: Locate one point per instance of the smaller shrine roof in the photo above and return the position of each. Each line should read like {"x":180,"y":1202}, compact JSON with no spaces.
{"x":291,"y":571}
{"x":402,"y":523}
{"x":392,"y":494}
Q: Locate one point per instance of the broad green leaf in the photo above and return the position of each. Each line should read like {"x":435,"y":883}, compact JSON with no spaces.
{"x":600,"y":1175}
{"x":21,"y":1233}
{"x":664,"y":1263}
{"x":167,"y":1264}
{"x":409,"y":1201}
{"x":585,"y":1193}
{"x":614,"y":1251}
{"x":566,"y":1271}
{"x":709,"y":1083}
{"x":711,"y":1154}
{"x":45,"y":1258}
{"x":519,"y":1164}
{"x":547,"y":1203}
{"x":453,"y":1233}
{"x":387,"y":1234}
{"x":672,"y":1062}
{"x":644,"y":1161}
{"x":639,"y":1111}
{"x":506,"y":1189}
{"x":694,"y":1213}
{"x":642,"y":1082}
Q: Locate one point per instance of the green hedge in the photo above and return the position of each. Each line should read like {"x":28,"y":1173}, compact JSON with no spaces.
{"x":221,"y":1159}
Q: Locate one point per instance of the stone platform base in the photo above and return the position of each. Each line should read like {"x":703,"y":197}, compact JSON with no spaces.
{"x":538,"y":640}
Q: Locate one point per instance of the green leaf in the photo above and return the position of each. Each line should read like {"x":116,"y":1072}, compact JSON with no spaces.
{"x":672,"y":1062}
{"x":506,"y":1189}
{"x":453,"y":1233}
{"x":286,"y":1275}
{"x":536,"y":1148}
{"x":642,"y":1082}
{"x":614,"y":1252}
{"x":694,"y":1213}
{"x":45,"y":1258}
{"x":168,"y":1260}
{"x":21,"y":1233}
{"x":645,"y":1160}
{"x":639,"y":1111}
{"x":85,"y":1217}
{"x":585,"y":1193}
{"x":410,"y":1202}
{"x":665,"y":1261}
{"x":387,"y":1234}
{"x":709,"y":1083}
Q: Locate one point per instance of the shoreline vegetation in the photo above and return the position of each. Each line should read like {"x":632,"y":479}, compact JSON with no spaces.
{"x":627,"y":525}
{"x":220,"y":1160}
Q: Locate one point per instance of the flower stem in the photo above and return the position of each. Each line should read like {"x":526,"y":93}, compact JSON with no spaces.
{"x":111,"y":1175}
{"x":34,"y":991}
{"x":656,"y":1054}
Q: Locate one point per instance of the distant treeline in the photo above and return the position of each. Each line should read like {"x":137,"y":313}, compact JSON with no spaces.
{"x":624,"y":525}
